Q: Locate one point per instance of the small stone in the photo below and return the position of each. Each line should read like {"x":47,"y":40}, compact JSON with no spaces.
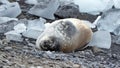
{"x":8,"y":48}
{"x":96,"y":50}
{"x":76,"y":66}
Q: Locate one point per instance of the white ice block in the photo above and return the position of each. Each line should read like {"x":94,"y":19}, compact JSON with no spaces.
{"x":20,"y":27}
{"x":10,"y":10}
{"x":34,"y":28}
{"x":109,"y":21}
{"x":6,"y":19}
{"x":94,"y":6}
{"x":32,"y":33}
{"x":101,"y":39}
{"x":31,"y":1}
{"x":45,"y":9}
{"x":13,"y":35}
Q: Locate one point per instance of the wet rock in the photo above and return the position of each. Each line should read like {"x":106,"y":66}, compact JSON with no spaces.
{"x":10,"y":10}
{"x":68,"y":11}
{"x":45,"y":9}
{"x":101,"y":39}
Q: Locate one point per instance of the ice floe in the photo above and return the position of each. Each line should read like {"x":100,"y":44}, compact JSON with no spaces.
{"x":94,"y":6}
{"x":101,"y":39}
{"x":45,"y":9}
{"x":10,"y":10}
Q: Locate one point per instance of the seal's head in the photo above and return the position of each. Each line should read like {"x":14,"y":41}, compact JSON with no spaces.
{"x":49,"y":43}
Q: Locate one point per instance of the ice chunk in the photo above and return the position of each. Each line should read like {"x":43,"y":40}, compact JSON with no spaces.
{"x":31,"y":1}
{"x":38,"y":23}
{"x":117,"y":3}
{"x":96,"y":21}
{"x":110,"y":20}
{"x":4,"y":1}
{"x":14,"y":36}
{"x":47,"y":25}
{"x":7,"y":26}
{"x":6,"y":19}
{"x":94,"y":6}
{"x":101,"y":39}
{"x":65,"y":2}
{"x":19,"y":28}
{"x":10,"y":10}
{"x":34,"y":28}
{"x":32,"y":33}
{"x":45,"y":9}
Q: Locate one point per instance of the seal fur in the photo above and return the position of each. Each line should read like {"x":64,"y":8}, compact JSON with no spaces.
{"x":66,"y":35}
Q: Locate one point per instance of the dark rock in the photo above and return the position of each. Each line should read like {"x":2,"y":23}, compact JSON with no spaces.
{"x":68,"y":11}
{"x":72,"y":11}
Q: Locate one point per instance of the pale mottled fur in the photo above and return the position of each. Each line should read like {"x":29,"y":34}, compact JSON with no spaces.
{"x":69,"y":40}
